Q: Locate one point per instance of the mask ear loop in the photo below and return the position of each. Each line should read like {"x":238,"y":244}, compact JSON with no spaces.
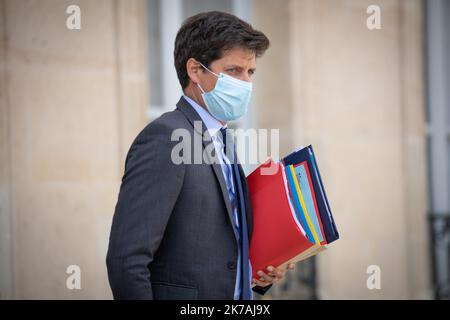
{"x":201,"y":89}
{"x":208,"y":69}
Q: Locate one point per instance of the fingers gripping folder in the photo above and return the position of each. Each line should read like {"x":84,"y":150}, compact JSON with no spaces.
{"x":292,"y":219}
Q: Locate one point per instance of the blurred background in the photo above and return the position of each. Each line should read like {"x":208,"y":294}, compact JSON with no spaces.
{"x":374,"y":103}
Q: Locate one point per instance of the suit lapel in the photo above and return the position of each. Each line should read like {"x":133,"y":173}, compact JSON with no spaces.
{"x":190,"y":113}
{"x":248,"y":208}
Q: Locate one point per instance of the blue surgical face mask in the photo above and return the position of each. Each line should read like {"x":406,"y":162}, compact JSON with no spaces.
{"x":229,"y":99}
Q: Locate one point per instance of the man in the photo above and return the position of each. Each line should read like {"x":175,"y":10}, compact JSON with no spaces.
{"x":181,"y":230}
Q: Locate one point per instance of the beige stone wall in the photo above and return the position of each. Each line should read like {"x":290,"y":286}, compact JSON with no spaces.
{"x":358,"y":98}
{"x":6,"y":259}
{"x":272,"y":98}
{"x":71,"y":101}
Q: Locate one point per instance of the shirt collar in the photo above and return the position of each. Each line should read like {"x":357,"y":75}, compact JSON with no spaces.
{"x":212,"y":124}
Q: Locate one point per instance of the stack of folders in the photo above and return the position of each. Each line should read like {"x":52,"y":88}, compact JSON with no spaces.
{"x":292,"y":219}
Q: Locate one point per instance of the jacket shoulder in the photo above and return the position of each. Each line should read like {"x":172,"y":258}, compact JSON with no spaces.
{"x":157,"y":135}
{"x":163,"y":127}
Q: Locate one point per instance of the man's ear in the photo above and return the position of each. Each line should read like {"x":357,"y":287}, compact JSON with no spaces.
{"x":193,"y":69}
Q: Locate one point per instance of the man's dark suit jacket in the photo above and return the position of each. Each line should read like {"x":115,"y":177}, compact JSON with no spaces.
{"x":172,"y":235}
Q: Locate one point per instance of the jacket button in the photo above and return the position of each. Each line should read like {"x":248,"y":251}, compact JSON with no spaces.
{"x":231,"y":265}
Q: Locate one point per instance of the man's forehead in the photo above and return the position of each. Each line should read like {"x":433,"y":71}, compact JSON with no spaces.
{"x":239,"y":56}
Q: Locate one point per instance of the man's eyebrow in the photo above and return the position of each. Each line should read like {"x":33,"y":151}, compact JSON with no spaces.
{"x":234,"y":66}
{"x":238,"y":66}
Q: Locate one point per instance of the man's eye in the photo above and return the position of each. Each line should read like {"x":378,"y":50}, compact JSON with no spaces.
{"x":232,"y":70}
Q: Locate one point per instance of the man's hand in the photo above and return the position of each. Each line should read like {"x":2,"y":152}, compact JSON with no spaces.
{"x":273,"y":275}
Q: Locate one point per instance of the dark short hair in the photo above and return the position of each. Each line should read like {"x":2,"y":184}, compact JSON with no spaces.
{"x":206,"y":36}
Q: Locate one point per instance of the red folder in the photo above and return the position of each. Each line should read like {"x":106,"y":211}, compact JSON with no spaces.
{"x":276,"y":237}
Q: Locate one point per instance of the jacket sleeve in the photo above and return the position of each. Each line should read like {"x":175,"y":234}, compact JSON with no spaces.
{"x":149,"y":190}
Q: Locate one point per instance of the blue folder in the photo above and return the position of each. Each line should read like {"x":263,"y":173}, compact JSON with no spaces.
{"x":307,"y":154}
{"x":298,"y":208}
{"x":302,"y":178}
